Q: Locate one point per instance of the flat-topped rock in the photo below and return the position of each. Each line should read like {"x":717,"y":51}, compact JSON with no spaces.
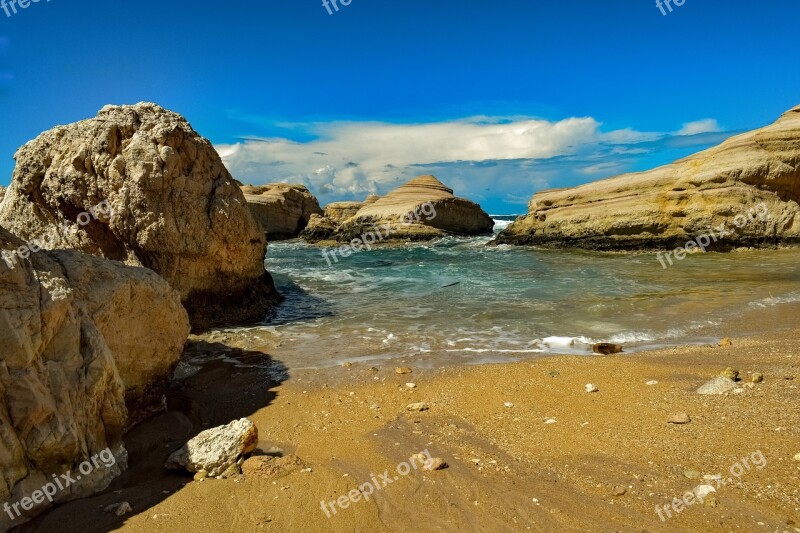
{"x":171,"y":206}
{"x":283,"y":210}
{"x":665,"y":207}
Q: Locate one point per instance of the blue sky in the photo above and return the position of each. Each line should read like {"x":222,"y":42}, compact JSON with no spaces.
{"x":498,"y":99}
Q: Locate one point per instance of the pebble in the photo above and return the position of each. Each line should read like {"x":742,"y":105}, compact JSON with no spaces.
{"x":402,"y":370}
{"x":433,"y":464}
{"x":679,"y":418}
{"x":691,"y":474}
{"x":550,"y":421}
{"x":757,"y":377}
{"x":201,"y":475}
{"x":652,"y":382}
{"x":704,"y":490}
{"x":725,"y":342}
{"x":419,"y":407}
{"x":119,"y":509}
{"x":590,"y":387}
{"x":797,"y":457}
{"x":509,"y":405}
{"x":347,"y":364}
{"x":730,"y":373}
{"x":411,"y":385}
{"x":620,"y":491}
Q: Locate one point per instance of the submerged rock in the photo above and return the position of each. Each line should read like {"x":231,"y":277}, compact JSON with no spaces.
{"x":217,"y":451}
{"x":666,"y":207}
{"x":604,"y":348}
{"x":168,"y":204}
{"x":283,"y":210}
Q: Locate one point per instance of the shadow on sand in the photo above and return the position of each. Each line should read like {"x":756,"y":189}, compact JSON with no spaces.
{"x":230,"y":384}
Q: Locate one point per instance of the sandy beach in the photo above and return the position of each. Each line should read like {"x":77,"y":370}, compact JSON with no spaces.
{"x":606,"y":463}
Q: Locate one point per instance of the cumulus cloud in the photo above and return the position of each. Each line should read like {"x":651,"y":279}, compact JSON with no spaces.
{"x":480,"y":157}
{"x":708,"y":125}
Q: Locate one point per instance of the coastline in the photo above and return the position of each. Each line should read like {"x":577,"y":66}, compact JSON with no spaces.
{"x":609,"y":474}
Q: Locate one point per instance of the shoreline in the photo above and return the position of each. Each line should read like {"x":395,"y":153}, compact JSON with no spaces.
{"x":606,"y":463}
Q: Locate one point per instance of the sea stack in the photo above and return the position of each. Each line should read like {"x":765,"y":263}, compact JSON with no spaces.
{"x":748,"y":187}
{"x":422,"y":209}
{"x":168,"y":203}
{"x":283,"y":210}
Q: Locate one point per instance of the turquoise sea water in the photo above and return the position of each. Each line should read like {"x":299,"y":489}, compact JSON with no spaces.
{"x":458,"y":300}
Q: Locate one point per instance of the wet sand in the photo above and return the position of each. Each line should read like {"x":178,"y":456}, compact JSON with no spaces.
{"x":609,"y":459}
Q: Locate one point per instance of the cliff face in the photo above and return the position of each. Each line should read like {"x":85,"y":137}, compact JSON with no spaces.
{"x":422,"y":209}
{"x":283,"y":210}
{"x":147,"y":190}
{"x":748,"y":173}
{"x":79,"y":335}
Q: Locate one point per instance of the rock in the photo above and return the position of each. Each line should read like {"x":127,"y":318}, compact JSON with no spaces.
{"x":403,"y":370}
{"x":604,"y":348}
{"x":691,"y":474}
{"x":591,"y":388}
{"x":797,"y":457}
{"x":217,"y":450}
{"x":652,"y":382}
{"x":620,"y":491}
{"x":703,"y":491}
{"x":726,"y":342}
{"x":341,"y":211}
{"x":419,"y":407}
{"x":730,"y":373}
{"x":422,"y":209}
{"x":508,"y":405}
{"x":119,"y":509}
{"x":411,"y":385}
{"x":680,"y":419}
{"x":160,"y":197}
{"x":347,"y":364}
{"x":550,"y":421}
{"x":756,"y":377}
{"x":717,"y":385}
{"x":201,"y":475}
{"x":319,"y":229}
{"x":79,"y":336}
{"x":2,"y":193}
{"x":433,"y":464}
{"x":268,"y":467}
{"x":666,"y":207}
{"x":283,"y":210}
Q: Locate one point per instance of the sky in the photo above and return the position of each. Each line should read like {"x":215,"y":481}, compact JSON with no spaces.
{"x":497,"y":99}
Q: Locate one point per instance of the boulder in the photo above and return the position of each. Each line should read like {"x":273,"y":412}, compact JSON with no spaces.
{"x":283,"y":210}
{"x":319,"y":229}
{"x":422,"y":209}
{"x":217,"y":451}
{"x":717,"y":386}
{"x":755,"y":172}
{"x":79,"y":336}
{"x":168,"y":202}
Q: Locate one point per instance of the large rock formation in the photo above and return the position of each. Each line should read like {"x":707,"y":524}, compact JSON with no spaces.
{"x":79,"y":336}
{"x":2,"y":193}
{"x":341,"y":211}
{"x":422,"y":209}
{"x":283,"y":210}
{"x":174,"y":207}
{"x":722,"y":186}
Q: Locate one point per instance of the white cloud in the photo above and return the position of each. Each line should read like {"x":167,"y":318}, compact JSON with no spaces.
{"x":708,"y":125}
{"x":480,"y":157}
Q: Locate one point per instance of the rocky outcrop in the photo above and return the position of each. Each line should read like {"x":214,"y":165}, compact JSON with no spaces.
{"x":341,"y":211}
{"x":422,"y":209}
{"x":75,"y":346}
{"x":217,"y":452}
{"x":172,"y":207}
{"x":722,"y":187}
{"x":283,"y":210}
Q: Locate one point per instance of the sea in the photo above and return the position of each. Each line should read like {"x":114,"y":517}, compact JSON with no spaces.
{"x":464,"y":301}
